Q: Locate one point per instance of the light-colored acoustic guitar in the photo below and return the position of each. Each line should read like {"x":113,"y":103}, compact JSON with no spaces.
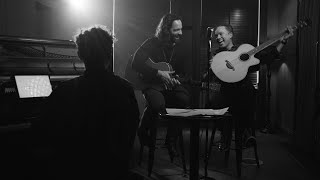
{"x":232,"y":66}
{"x":137,"y":80}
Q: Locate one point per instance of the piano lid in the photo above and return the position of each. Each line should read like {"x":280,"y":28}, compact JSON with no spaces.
{"x":39,"y":65}
{"x":32,"y":56}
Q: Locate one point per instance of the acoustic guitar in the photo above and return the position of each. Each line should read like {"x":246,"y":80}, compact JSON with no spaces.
{"x":136,"y":79}
{"x":232,"y":66}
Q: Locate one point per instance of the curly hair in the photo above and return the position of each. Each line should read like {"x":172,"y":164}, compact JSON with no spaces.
{"x":95,"y":46}
{"x":163,"y":28}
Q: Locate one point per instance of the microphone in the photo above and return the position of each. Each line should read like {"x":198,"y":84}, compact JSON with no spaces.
{"x":209,"y":32}
{"x":210,"y":28}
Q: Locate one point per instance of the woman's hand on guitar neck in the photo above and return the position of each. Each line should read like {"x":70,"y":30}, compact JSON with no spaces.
{"x":166,"y":78}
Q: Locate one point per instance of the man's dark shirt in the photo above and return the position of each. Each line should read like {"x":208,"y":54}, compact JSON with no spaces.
{"x":156,"y":51}
{"x":90,"y":124}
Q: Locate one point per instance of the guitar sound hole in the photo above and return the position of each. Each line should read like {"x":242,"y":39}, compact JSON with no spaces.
{"x":244,"y":57}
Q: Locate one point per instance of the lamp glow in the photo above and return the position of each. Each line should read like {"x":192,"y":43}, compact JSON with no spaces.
{"x":78,"y":5}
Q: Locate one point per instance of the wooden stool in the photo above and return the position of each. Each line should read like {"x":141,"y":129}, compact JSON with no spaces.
{"x":238,"y":138}
{"x":152,"y":146}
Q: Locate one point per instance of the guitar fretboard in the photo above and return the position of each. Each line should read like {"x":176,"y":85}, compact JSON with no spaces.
{"x":270,"y":42}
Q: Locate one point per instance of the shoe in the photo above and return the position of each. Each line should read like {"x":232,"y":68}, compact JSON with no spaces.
{"x":250,"y":141}
{"x":247,"y":139}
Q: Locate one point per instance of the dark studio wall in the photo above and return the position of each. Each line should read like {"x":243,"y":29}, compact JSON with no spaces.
{"x":295,"y":78}
{"x":280,"y":14}
{"x":307,"y":121}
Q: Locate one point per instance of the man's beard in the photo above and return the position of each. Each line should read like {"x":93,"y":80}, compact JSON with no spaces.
{"x":175,"y":38}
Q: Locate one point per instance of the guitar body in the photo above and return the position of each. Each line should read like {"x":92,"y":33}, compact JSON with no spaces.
{"x":136,"y":79}
{"x":162,"y":66}
{"x":232,"y":66}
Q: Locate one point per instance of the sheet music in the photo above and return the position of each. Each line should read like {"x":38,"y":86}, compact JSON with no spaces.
{"x":194,"y":112}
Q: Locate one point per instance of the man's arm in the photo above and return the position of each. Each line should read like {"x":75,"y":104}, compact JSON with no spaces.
{"x":285,"y":38}
{"x":148,"y":73}
{"x":139,"y":60}
{"x":273,"y":52}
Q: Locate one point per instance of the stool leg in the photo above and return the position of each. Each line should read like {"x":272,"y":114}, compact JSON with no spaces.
{"x":140,"y":154}
{"x":152,"y":147}
{"x":228,"y":137}
{"x":208,"y":153}
{"x":226,"y":158}
{"x":182,"y":152}
{"x":238,"y":139}
{"x":255,"y":149}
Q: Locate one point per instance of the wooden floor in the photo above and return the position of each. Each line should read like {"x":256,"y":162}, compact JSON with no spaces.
{"x":277,"y":163}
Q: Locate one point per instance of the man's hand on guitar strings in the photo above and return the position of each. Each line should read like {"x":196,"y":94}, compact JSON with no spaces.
{"x":175,"y":81}
{"x":165,"y":77}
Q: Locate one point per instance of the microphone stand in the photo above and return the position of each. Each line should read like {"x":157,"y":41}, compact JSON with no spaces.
{"x":206,"y":157}
{"x":268,"y":128}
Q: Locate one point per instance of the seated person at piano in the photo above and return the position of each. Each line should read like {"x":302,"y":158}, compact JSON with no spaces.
{"x":239,"y":95}
{"x":90,"y":121}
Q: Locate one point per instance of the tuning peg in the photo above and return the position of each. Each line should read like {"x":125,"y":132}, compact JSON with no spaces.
{"x":307,"y":22}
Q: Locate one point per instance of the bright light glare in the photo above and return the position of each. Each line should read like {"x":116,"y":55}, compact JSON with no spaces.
{"x":78,"y":5}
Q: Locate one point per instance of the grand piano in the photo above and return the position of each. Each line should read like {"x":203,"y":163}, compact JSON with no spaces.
{"x":30,"y":69}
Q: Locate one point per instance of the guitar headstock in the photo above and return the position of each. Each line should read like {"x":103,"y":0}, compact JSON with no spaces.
{"x":304,"y":23}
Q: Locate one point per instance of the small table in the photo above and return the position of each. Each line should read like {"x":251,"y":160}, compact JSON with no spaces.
{"x":193,"y":122}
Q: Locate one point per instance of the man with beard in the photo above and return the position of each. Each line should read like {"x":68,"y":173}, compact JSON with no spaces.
{"x":161,"y":48}
{"x":240,"y":96}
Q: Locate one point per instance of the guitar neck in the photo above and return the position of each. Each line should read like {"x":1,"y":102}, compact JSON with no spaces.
{"x":269,"y":42}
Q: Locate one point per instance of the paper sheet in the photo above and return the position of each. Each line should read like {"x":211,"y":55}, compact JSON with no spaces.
{"x":194,"y":112}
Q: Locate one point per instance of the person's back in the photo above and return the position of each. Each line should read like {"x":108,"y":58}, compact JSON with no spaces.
{"x":92,"y":126}
{"x":90,"y":122}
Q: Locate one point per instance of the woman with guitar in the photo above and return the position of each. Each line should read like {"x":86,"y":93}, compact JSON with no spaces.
{"x":239,"y":94}
{"x":160,"y":88}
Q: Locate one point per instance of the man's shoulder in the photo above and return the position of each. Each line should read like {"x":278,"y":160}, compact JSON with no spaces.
{"x":66,"y":87}
{"x":122,"y":82}
{"x":151,"y":41}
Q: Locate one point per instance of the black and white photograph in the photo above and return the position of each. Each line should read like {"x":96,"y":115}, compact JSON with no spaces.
{"x":159,"y":89}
